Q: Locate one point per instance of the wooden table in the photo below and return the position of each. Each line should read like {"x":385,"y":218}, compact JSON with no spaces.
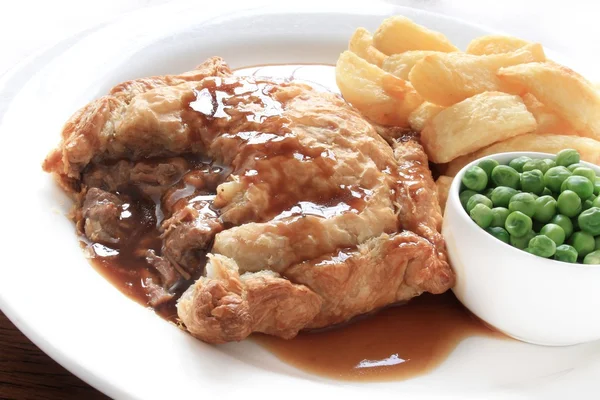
{"x":28,"y":373}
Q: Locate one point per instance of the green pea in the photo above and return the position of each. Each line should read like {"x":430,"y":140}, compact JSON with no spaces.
{"x":488,"y":166}
{"x":583,"y":242}
{"x":518,"y":224}
{"x":475,"y":179}
{"x":569,"y":203}
{"x":478,"y":199}
{"x":566,"y":253}
{"x":554,"y":232}
{"x":578,"y":184}
{"x":517,"y":163}
{"x":464,"y":197}
{"x":567,"y":157}
{"x":542,"y":246}
{"x":554,"y":177}
{"x":546,"y":192}
{"x":499,"y":215}
{"x":501,"y":195}
{"x":523,"y":241}
{"x":503,"y":175}
{"x":482,"y":215}
{"x":564,"y":222}
{"x":586,"y":205}
{"x":596,"y":202}
{"x":573,"y":167}
{"x":589,"y":221}
{"x":533,"y":181}
{"x":535,"y":164}
{"x":524,"y":202}
{"x":549,"y":162}
{"x":597,"y":186}
{"x":499,"y":233}
{"x":545,"y":208}
{"x":597,"y":240}
{"x":592,"y":258}
{"x":585,"y":172}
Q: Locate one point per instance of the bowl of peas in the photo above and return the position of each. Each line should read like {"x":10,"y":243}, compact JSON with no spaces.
{"x":523,"y":236}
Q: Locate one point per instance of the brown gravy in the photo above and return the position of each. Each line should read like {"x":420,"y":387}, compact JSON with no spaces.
{"x":396,"y":343}
{"x":127,"y":273}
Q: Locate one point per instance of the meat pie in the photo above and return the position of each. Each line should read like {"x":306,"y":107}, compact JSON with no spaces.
{"x":278,"y":207}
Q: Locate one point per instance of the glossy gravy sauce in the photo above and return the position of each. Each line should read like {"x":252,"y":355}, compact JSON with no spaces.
{"x":398,"y":342}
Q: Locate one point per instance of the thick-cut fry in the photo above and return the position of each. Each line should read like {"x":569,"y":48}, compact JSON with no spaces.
{"x":443,"y":188}
{"x":447,"y":78}
{"x":544,"y":143}
{"x":474,"y":123}
{"x":418,"y":118}
{"x":380,"y":96}
{"x":361,"y":44}
{"x":495,"y":44}
{"x":547,"y":120}
{"x":562,"y":90}
{"x":399,"y":34}
{"x":401,"y":64}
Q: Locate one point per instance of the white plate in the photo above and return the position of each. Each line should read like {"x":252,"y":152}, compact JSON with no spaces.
{"x":51,"y":293}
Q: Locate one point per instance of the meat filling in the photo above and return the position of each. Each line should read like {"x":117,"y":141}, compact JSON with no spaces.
{"x":101,"y":216}
{"x":133,"y":206}
{"x":188,"y":234}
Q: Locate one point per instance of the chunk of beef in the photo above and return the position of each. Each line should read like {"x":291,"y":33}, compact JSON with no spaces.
{"x":168,"y":274}
{"x":101,"y":214}
{"x":188,"y":234}
{"x":107,"y":177}
{"x":157,"y":294}
{"x":156,"y":178}
{"x":152,"y":178}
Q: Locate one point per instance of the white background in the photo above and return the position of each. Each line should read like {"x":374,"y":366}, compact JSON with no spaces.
{"x":569,"y":27}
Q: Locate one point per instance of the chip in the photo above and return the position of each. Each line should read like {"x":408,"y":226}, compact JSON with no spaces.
{"x":401,"y":64}
{"x":447,"y":78}
{"x":361,"y":44}
{"x":475,"y":123}
{"x":381,"y":97}
{"x":399,"y":34}
{"x":418,"y":118}
{"x":547,"y":120}
{"x":495,"y":44}
{"x":562,"y":90}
